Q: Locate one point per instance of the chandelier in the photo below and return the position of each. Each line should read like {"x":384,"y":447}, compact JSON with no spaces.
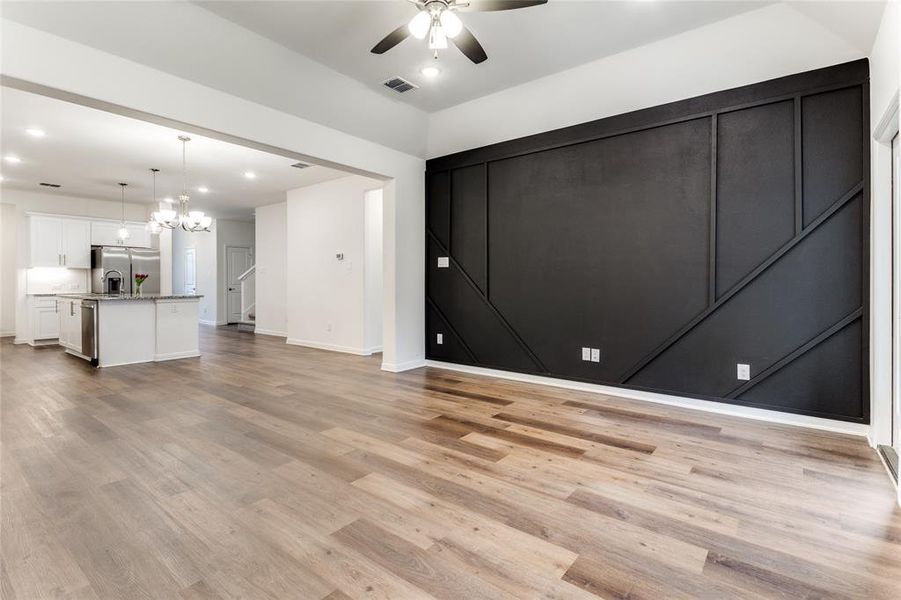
{"x":168,"y":218}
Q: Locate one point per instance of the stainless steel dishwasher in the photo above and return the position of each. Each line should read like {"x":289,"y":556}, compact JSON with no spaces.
{"x":89,"y":331}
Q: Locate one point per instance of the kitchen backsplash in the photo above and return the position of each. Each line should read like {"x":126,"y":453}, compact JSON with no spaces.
{"x":54,"y":280}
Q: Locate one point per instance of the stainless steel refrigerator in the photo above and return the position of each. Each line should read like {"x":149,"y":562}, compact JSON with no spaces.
{"x":107,"y":261}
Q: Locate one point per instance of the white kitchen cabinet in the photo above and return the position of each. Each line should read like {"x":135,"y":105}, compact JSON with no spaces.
{"x":76,"y":247}
{"x":46,"y":238}
{"x":44,"y":319}
{"x":59,"y":242}
{"x":70,"y":324}
{"x":106,"y":233}
{"x":139,"y":237}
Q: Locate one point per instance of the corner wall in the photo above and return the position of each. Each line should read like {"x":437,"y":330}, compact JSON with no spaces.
{"x":326,"y":294}
{"x":885,"y":74}
{"x":271,"y":252}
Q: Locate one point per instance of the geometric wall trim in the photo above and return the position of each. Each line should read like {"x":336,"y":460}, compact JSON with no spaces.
{"x":678,"y":240}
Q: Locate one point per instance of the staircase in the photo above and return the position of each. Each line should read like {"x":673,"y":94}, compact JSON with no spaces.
{"x":248,"y":281}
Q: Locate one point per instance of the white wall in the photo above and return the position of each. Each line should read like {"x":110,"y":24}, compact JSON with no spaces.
{"x":206,"y":257}
{"x":31,"y":55}
{"x":326,"y":295}
{"x":8,"y":225}
{"x":884,"y":82}
{"x":271,"y":252}
{"x":372,"y":286}
{"x":763,"y":44}
{"x":229,"y":233}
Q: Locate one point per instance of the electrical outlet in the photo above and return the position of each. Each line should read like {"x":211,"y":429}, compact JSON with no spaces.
{"x":743,"y":372}
{"x":586,"y":353}
{"x":439,"y":338}
{"x":443,"y":262}
{"x":596,"y":355}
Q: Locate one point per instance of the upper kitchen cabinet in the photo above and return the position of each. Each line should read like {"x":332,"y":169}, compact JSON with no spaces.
{"x":106,"y":233}
{"x":59,"y":242}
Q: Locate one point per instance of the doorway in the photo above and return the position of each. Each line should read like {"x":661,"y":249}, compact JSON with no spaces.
{"x":238,"y":260}
{"x":190,"y":282}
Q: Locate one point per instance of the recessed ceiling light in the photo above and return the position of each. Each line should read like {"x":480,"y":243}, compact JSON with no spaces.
{"x":35,"y":132}
{"x":203,"y":189}
{"x":1,"y":177}
{"x":12,"y":159}
{"x":430,"y":72}
{"x":250,"y":175}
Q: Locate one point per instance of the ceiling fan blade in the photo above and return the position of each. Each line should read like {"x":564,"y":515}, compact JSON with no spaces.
{"x":491,"y":5}
{"x":392,"y":39}
{"x":470,"y":46}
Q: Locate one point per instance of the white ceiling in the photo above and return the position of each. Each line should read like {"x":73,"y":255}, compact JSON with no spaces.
{"x":88,"y":151}
{"x":522,"y":44}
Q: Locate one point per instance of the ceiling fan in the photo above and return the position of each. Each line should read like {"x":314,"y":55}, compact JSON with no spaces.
{"x":438,"y":20}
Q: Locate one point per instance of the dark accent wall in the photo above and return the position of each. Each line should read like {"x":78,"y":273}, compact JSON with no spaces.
{"x":680,"y":240}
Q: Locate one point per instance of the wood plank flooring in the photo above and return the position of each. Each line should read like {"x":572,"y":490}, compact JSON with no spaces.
{"x":268,"y":471}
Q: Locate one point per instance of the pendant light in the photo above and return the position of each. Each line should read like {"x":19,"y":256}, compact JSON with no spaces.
{"x":153,"y":225}
{"x":190,"y":220}
{"x":123,"y":233}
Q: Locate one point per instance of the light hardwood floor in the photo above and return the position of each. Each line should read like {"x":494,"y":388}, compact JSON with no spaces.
{"x":268,"y":471}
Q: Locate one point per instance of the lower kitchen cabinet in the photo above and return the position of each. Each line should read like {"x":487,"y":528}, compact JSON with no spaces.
{"x":70,"y":324}
{"x":44,"y":319}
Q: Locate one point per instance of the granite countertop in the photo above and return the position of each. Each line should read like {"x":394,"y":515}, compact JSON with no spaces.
{"x":126,"y":297}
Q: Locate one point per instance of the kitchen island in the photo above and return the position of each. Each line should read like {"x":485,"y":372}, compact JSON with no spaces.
{"x":111,"y":330}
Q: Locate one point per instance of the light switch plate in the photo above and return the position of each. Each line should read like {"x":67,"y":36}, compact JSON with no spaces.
{"x":743,"y":372}
{"x":586,"y":353}
{"x":439,"y":338}
{"x":443,"y":262}
{"x":596,"y":355}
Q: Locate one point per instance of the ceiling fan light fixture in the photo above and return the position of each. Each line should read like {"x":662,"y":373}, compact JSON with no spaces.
{"x":451,"y":23}
{"x":419,"y":25}
{"x":437,"y":37}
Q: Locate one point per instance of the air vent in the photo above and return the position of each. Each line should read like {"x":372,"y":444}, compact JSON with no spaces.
{"x":301,"y":166}
{"x":53,"y":185}
{"x":399,"y":85}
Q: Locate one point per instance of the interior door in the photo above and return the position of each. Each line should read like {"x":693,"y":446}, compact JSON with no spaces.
{"x":239,"y":259}
{"x":190,"y":271}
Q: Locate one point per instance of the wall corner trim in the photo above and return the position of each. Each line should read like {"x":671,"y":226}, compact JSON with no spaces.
{"x":887,"y":126}
{"x":326,"y":346}
{"x":404,"y":366}
{"x":757,"y":414}
{"x":271,"y":332}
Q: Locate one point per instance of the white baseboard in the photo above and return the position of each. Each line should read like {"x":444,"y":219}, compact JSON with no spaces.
{"x":373,"y":350}
{"x":175,"y":355}
{"x":759,"y":414}
{"x":325,"y":346}
{"x":211,"y":323}
{"x":271,"y":332}
{"x":7,"y":333}
{"x":404,"y":366}
{"x":19,"y":340}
